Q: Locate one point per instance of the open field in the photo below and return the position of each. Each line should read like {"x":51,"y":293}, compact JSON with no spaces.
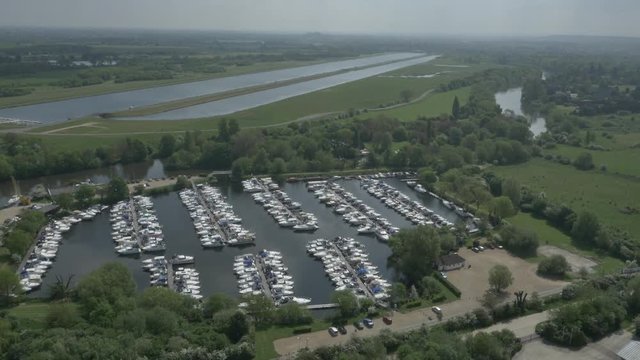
{"x":603,"y":349}
{"x":31,"y":315}
{"x":433,"y":104}
{"x":43,"y":92}
{"x":617,"y":161}
{"x":604,"y":194}
{"x":474,"y":282}
{"x":550,"y":236}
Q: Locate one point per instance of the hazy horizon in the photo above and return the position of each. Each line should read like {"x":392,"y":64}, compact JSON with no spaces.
{"x":399,"y":17}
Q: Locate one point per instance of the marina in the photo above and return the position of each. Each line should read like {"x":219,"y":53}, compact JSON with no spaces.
{"x":285,"y":212}
{"x":353,"y":210}
{"x":136,"y":228}
{"x":213,"y":218}
{"x":92,"y":240}
{"x":347,"y":265}
{"x":162,"y":272}
{"x":266,"y":274}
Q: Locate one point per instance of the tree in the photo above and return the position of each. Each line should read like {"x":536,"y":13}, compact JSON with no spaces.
{"x":65,"y":201}
{"x":167,"y":145}
{"x":414,"y":251}
{"x":430,"y":287}
{"x":106,"y":292}
{"x":521,"y":242}
{"x":62,"y":315}
{"x":293,"y":314}
{"x":555,"y":265}
{"x":455,"y":108}
{"x":261,"y":310}
{"x":223,"y":130}
{"x":9,"y":282}
{"x":238,"y":327}
{"x":347,"y":303}
{"x":501,"y":207}
{"x":117,"y":190}
{"x":233,"y":126}
{"x":182,"y":182}
{"x":84,"y":195}
{"x":398,"y":293}
{"x":500,"y":278}
{"x":240,"y":168}
{"x":216,"y":303}
{"x":511,"y":189}
{"x":586,"y":228}
{"x":61,"y":289}
{"x":584,"y":161}
{"x":406,"y":95}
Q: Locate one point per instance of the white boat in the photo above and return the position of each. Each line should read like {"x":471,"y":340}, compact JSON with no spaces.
{"x":182,"y":259}
{"x":129,"y":250}
{"x":419,"y":188}
{"x":367,"y":229}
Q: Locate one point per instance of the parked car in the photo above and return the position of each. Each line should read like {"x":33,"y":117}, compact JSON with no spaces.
{"x":443,"y":274}
{"x":342,"y":330}
{"x":367,"y":322}
{"x":475,"y":249}
{"x":436,"y":310}
{"x":387,"y":320}
{"x":500,"y":247}
{"x":333,"y":331}
{"x":358,"y":325}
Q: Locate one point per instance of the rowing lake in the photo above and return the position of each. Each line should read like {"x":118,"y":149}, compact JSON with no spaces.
{"x":74,"y":108}
{"x":88,"y":244}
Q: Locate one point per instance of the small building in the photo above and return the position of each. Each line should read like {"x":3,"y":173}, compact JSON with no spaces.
{"x":450,"y":262}
{"x":631,"y":351}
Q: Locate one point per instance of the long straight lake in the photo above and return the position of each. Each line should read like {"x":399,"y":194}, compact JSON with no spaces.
{"x":88,"y":244}
{"x":255,"y":99}
{"x":68,"y":109}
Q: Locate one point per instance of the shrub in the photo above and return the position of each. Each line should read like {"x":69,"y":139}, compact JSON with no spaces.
{"x":555,"y":265}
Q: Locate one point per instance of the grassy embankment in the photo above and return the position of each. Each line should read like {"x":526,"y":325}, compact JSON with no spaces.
{"x":44,"y":92}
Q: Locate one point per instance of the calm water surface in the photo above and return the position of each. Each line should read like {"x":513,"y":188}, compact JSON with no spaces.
{"x":88,"y":245}
{"x":74,"y":108}
{"x":512,"y":100}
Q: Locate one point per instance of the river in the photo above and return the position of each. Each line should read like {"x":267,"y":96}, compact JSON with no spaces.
{"x":512,"y":100}
{"x":88,"y":245}
{"x":74,"y":108}
{"x":258,"y":98}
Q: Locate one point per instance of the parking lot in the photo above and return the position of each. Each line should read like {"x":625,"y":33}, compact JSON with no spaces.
{"x":474,"y":282}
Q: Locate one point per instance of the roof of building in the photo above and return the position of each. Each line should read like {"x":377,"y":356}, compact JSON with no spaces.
{"x":49,"y":208}
{"x":451,"y":259}
{"x":631,"y":351}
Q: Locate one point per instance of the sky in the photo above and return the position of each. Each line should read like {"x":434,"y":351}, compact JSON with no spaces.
{"x":456,"y":17}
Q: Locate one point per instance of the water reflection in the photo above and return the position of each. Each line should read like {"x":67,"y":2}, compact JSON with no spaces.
{"x":512,"y":100}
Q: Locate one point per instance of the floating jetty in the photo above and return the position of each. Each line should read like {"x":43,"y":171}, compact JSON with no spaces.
{"x":349,"y":268}
{"x":163,"y":272}
{"x":285,"y":212}
{"x":412,"y":210}
{"x":353,"y":210}
{"x":266,"y":274}
{"x":215,"y":222}
{"x":135,"y":227}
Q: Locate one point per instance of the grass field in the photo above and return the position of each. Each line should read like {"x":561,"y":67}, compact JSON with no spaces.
{"x":617,"y":161}
{"x":31,"y":315}
{"x":548,"y":235}
{"x":265,"y":338}
{"x":604,"y":194}
{"x":432,"y":105}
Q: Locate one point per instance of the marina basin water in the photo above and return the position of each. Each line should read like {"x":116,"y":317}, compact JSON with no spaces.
{"x":88,"y":244}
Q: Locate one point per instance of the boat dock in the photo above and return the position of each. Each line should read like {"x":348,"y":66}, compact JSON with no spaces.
{"x":361,"y":285}
{"x":264,"y":284}
{"x":212,"y":216}
{"x":134,"y":222}
{"x":265,"y":189}
{"x":25,"y":258}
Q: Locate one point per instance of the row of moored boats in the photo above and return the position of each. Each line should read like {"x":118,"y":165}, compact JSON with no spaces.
{"x":348,"y":266}
{"x":213,"y":218}
{"x":185,"y":280}
{"x":265,"y":273}
{"x":45,"y":250}
{"x":136,"y":227}
{"x":286,"y":212}
{"x":412,"y":210}
{"x":353,"y":210}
